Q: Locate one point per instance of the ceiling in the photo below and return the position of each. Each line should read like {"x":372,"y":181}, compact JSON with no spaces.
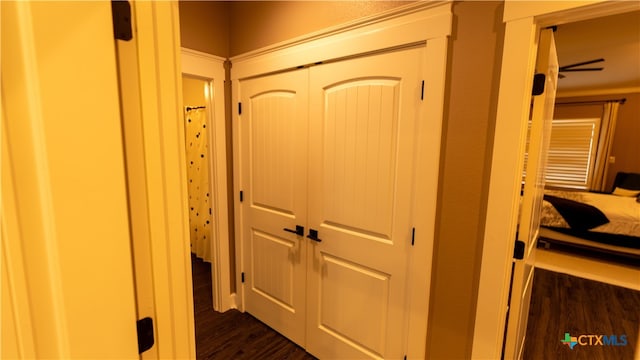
{"x":615,"y":38}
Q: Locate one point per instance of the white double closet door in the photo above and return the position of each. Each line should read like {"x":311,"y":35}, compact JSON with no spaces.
{"x":331,"y":149}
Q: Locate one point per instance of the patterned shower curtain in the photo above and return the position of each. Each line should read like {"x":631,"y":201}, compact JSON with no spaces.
{"x":200,"y":215}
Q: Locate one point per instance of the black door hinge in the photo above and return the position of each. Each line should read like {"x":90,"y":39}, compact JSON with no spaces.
{"x":422,"y":91}
{"x":239,"y":108}
{"x":413,"y":236}
{"x":145,"y":334}
{"x":121,"y":16}
{"x":518,"y":250}
{"x":241,"y":196}
{"x":242,"y":277}
{"x":538,"y":84}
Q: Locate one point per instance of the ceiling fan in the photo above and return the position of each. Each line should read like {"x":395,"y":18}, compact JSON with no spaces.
{"x":577,"y":67}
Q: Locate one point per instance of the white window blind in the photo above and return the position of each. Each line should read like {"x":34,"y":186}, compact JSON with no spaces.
{"x":571,"y":153}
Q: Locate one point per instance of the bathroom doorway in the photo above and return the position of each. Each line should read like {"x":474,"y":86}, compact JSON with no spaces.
{"x":206,"y":164}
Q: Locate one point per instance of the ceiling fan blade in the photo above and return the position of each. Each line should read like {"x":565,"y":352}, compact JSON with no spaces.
{"x":571,"y":67}
{"x":583,"y":69}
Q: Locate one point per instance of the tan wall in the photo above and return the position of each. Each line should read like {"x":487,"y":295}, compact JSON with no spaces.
{"x":229,"y":28}
{"x":204,"y":26}
{"x":470,"y":111}
{"x":256,"y":24}
{"x":626,"y":143}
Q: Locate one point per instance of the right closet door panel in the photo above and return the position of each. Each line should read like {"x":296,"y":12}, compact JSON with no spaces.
{"x":361,"y":143}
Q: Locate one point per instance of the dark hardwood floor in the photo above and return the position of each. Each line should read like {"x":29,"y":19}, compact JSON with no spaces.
{"x":562,"y":304}
{"x":232,"y":334}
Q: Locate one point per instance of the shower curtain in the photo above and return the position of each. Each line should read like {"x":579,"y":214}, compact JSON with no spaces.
{"x":200,"y":215}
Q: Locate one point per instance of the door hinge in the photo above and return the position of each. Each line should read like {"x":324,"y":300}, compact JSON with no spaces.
{"x":518,"y":250}
{"x":405,"y":357}
{"x":538,"y":84}
{"x":422,"y":91}
{"x":413,"y":236}
{"x":239,"y":108}
{"x":242,"y":277}
{"x":145,"y":334}
{"x":121,"y":17}
{"x":241,"y":196}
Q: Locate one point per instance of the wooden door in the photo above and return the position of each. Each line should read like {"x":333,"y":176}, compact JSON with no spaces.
{"x":361,"y":169}
{"x":529,"y":225}
{"x":274,"y":171}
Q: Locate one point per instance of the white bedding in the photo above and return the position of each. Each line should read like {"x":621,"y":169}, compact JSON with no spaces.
{"x":623,"y":212}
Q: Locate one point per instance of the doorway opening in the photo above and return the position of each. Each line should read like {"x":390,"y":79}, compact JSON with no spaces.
{"x":206,"y":163}
{"x":517,"y":72}
{"x":195,"y":93}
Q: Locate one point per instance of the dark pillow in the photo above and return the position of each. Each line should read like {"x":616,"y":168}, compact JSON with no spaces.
{"x":578,"y":215}
{"x":629,"y":181}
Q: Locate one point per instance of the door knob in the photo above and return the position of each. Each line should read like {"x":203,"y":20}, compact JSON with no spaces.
{"x":313,"y":235}
{"x":298,"y":231}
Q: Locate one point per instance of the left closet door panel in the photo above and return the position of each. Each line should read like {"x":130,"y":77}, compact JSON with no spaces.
{"x":274,"y":136}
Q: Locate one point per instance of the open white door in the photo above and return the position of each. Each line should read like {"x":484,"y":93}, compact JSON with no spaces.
{"x":67,"y":280}
{"x":529,"y":225}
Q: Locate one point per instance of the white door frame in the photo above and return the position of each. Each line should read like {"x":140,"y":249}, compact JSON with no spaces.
{"x":523,"y":20}
{"x":211,"y":69}
{"x":157,"y":35}
{"x":411,"y":24}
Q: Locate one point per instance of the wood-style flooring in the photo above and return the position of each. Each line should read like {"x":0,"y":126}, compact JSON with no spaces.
{"x":560,"y":303}
{"x":563,"y":303}
{"x":232,"y":334}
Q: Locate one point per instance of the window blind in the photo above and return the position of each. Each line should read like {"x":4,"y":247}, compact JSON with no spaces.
{"x":571,"y":153}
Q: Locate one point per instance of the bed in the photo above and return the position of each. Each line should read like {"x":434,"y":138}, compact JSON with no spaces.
{"x":594,"y":224}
